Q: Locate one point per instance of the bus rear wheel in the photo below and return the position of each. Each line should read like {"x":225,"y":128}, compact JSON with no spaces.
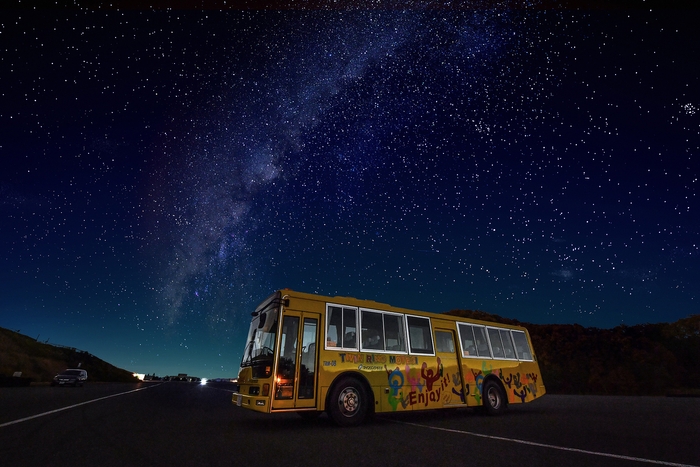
{"x":494,"y":399}
{"x":348,"y":402}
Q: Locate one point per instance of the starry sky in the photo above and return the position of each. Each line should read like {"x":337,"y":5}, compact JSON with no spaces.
{"x":165,"y":170}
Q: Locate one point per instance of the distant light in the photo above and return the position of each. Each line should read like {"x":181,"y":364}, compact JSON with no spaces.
{"x":140,"y":376}
{"x":203,"y":381}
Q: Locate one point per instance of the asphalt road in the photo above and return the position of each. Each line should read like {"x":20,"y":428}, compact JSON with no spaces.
{"x":188,"y":424}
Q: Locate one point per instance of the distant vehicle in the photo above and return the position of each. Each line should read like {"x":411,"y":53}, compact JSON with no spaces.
{"x":70,"y":377}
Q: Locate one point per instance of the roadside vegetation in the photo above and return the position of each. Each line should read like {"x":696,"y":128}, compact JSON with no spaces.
{"x":39,"y":362}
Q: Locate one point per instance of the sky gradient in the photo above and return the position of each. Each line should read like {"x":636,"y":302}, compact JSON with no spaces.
{"x":164,"y":171}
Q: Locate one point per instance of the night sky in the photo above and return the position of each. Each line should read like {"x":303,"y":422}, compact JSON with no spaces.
{"x":164,"y":171}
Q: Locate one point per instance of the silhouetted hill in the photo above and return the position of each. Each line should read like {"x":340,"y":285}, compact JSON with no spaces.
{"x":646,"y":359}
{"x":41,"y":362}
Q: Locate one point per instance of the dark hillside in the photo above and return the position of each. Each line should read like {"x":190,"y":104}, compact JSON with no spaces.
{"x":40,"y":362}
{"x":646,"y":359}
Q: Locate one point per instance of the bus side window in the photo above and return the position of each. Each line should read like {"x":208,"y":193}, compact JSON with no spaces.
{"x":394,"y":333}
{"x":496,"y":344}
{"x":372,"y":330}
{"x":522,"y":348}
{"x":507,"y":343}
{"x":466,"y":333}
{"x":341,"y":327}
{"x":421,"y":341}
{"x":349,"y":328}
{"x":482,"y":345}
{"x":443,"y":342}
{"x":335,"y":324}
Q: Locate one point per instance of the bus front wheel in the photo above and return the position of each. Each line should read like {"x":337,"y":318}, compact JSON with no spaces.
{"x":348,"y":402}
{"x":494,"y":399}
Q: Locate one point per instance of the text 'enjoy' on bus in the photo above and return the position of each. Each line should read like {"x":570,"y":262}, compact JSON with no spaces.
{"x":348,"y":357}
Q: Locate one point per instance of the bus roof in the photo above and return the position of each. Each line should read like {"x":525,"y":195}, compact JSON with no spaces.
{"x":371,"y":304}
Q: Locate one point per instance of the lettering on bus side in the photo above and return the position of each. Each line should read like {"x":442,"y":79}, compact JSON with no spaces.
{"x":378,"y":358}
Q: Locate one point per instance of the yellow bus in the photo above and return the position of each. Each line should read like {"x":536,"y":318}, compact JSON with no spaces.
{"x":351,"y":358}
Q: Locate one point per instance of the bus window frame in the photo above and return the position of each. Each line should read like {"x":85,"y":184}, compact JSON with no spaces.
{"x":450,"y":334}
{"x":430,"y":333}
{"x":491,"y":344}
{"x":510,"y":332}
{"x":529,"y":346}
{"x":339,"y":345}
{"x":403,"y":326}
{"x":464,"y":351}
{"x":512,"y":342}
{"x":476,"y":347}
{"x":401,"y":316}
{"x":363,"y":339}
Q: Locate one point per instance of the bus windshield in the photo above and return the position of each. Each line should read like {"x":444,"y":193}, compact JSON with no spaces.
{"x":260,"y":344}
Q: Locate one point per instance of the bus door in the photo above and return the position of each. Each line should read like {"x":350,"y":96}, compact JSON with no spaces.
{"x":446,"y":349}
{"x":295,"y":381}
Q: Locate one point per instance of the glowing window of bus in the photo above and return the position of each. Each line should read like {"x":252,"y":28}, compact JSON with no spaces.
{"x":286,"y":365}
{"x":260,"y":344}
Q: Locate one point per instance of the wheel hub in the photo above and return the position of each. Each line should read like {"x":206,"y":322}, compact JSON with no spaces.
{"x":348,"y":401}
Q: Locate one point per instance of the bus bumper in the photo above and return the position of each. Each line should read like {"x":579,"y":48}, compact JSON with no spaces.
{"x":257,"y":403}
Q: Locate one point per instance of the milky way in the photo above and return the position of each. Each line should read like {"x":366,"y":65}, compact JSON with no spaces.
{"x":170,"y":169}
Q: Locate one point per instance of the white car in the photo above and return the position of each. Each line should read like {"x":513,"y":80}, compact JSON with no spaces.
{"x":70,"y":377}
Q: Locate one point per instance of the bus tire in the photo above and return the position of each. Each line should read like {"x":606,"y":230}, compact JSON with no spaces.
{"x":348,"y":402}
{"x":494,"y":399}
